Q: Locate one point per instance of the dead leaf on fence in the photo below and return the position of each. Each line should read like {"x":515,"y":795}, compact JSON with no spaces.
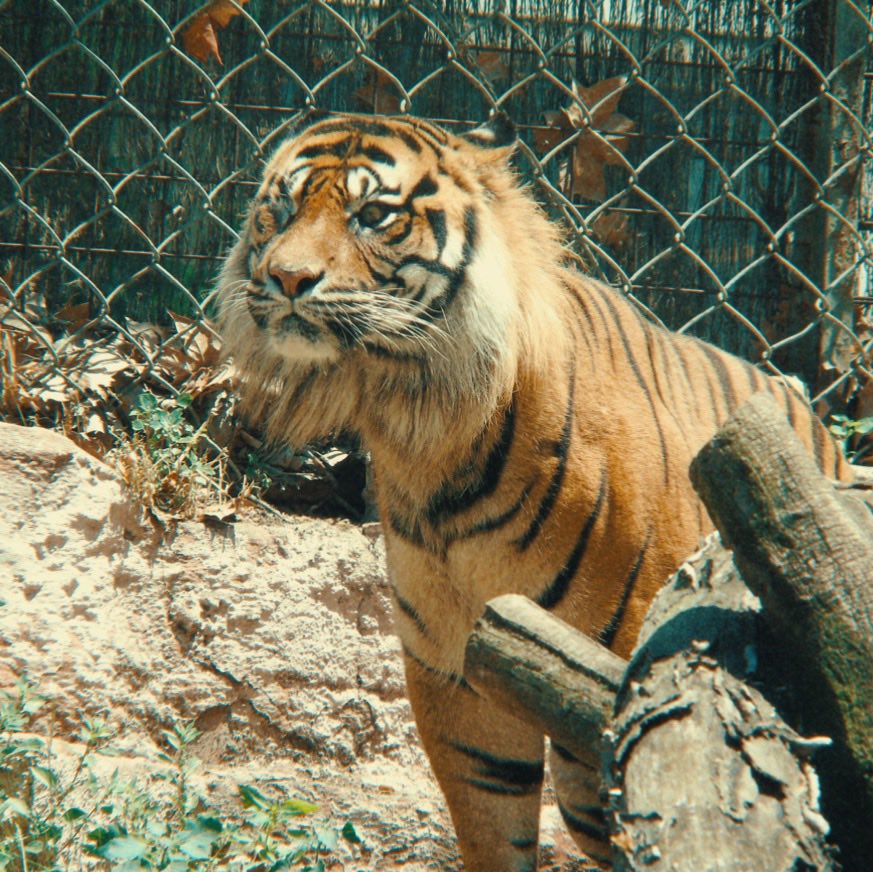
{"x":491,"y":64}
{"x":611,"y":228}
{"x":379,"y":93}
{"x":74,"y":315}
{"x":602,"y":139}
{"x":200,"y":38}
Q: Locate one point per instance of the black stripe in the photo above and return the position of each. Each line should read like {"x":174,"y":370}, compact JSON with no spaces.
{"x":584,"y":301}
{"x":788,"y":393}
{"x":397,"y":238}
{"x":563,"y":753}
{"x":391,"y":353}
{"x":335,"y":149}
{"x":587,"y":328}
{"x":452,"y":499}
{"x":754,"y":376}
{"x":609,"y":632}
{"x":555,"y":592}
{"x":447,"y":677}
{"x":651,"y":348}
{"x":426,"y":187}
{"x":412,"y":613}
{"x":369,"y":127}
{"x":677,"y":348}
{"x":719,"y":366}
{"x":491,"y":524}
{"x":379,"y":155}
{"x":346,"y":331}
{"x":641,"y":381}
{"x":459,"y":273}
{"x":562,"y":451}
{"x":501,"y":774}
{"x":437,"y":220}
{"x":407,"y":532}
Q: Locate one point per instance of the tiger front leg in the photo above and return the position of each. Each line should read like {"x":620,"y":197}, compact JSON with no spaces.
{"x":489,"y":766}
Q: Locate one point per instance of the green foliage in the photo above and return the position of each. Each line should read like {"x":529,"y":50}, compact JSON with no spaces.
{"x":56,"y":818}
{"x":850,"y":433}
{"x":165,"y":461}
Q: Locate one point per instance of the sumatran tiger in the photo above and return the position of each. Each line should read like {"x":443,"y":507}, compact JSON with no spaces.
{"x":530,"y":430}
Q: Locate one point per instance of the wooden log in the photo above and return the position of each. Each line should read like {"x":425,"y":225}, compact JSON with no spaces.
{"x":810,"y":560}
{"x":702,"y":773}
{"x":543,"y":671}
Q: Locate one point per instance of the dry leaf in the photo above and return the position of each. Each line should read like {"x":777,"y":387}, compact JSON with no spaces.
{"x":74,"y":315}
{"x":611,"y":228}
{"x":200,"y":38}
{"x":491,"y":64}
{"x":379,"y":93}
{"x":592,"y":151}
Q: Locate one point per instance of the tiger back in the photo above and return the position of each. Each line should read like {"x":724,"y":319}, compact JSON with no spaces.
{"x":530,"y":431}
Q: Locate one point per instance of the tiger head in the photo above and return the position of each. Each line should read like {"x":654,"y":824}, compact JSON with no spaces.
{"x":382,"y":246}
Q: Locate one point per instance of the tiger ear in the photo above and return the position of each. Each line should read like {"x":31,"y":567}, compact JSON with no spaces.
{"x":497,"y":132}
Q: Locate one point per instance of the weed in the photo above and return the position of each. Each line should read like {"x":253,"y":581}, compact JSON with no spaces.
{"x":164,"y":462}
{"x":68,"y":818}
{"x":851,"y":432}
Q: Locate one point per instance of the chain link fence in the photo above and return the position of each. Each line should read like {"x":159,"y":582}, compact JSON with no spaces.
{"x":710,"y":159}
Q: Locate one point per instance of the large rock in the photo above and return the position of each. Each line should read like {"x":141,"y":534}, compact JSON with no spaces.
{"x":272,"y":636}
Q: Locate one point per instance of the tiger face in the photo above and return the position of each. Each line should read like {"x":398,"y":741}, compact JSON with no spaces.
{"x":352,"y":244}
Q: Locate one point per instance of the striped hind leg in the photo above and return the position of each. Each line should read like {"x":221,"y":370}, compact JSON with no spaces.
{"x":577,"y":783}
{"x":490,"y":769}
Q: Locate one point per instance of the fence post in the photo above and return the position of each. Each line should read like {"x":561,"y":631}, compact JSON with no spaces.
{"x":835,"y":39}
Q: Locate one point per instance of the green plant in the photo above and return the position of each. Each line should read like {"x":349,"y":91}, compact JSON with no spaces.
{"x":850,"y":432}
{"x":164,"y":462}
{"x":56,"y":817}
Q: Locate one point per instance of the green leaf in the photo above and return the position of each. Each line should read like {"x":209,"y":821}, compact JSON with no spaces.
{"x":198,"y":844}
{"x":74,"y":814}
{"x":297,"y":807}
{"x":45,"y":776}
{"x":350,"y":834}
{"x":16,"y":806}
{"x":123,"y":848}
{"x":327,"y":838}
{"x":253,"y":798}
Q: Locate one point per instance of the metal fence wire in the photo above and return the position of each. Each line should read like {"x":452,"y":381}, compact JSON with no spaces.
{"x":710,"y":159}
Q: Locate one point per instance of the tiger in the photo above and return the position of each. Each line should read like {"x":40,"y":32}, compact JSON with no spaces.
{"x":530,"y":429}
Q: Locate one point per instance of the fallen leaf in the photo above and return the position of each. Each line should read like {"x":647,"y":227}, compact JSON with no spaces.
{"x":200,"y":38}
{"x":74,"y":315}
{"x":602,"y":139}
{"x":379,"y":93}
{"x":611,"y":228}
{"x":492,"y":65}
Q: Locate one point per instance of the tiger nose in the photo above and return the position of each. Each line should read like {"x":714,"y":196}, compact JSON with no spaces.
{"x":294,"y":283}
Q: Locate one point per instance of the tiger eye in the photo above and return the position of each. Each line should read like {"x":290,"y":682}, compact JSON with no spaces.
{"x":373,"y":214}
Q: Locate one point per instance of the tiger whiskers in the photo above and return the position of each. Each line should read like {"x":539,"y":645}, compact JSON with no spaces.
{"x":379,"y":315}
